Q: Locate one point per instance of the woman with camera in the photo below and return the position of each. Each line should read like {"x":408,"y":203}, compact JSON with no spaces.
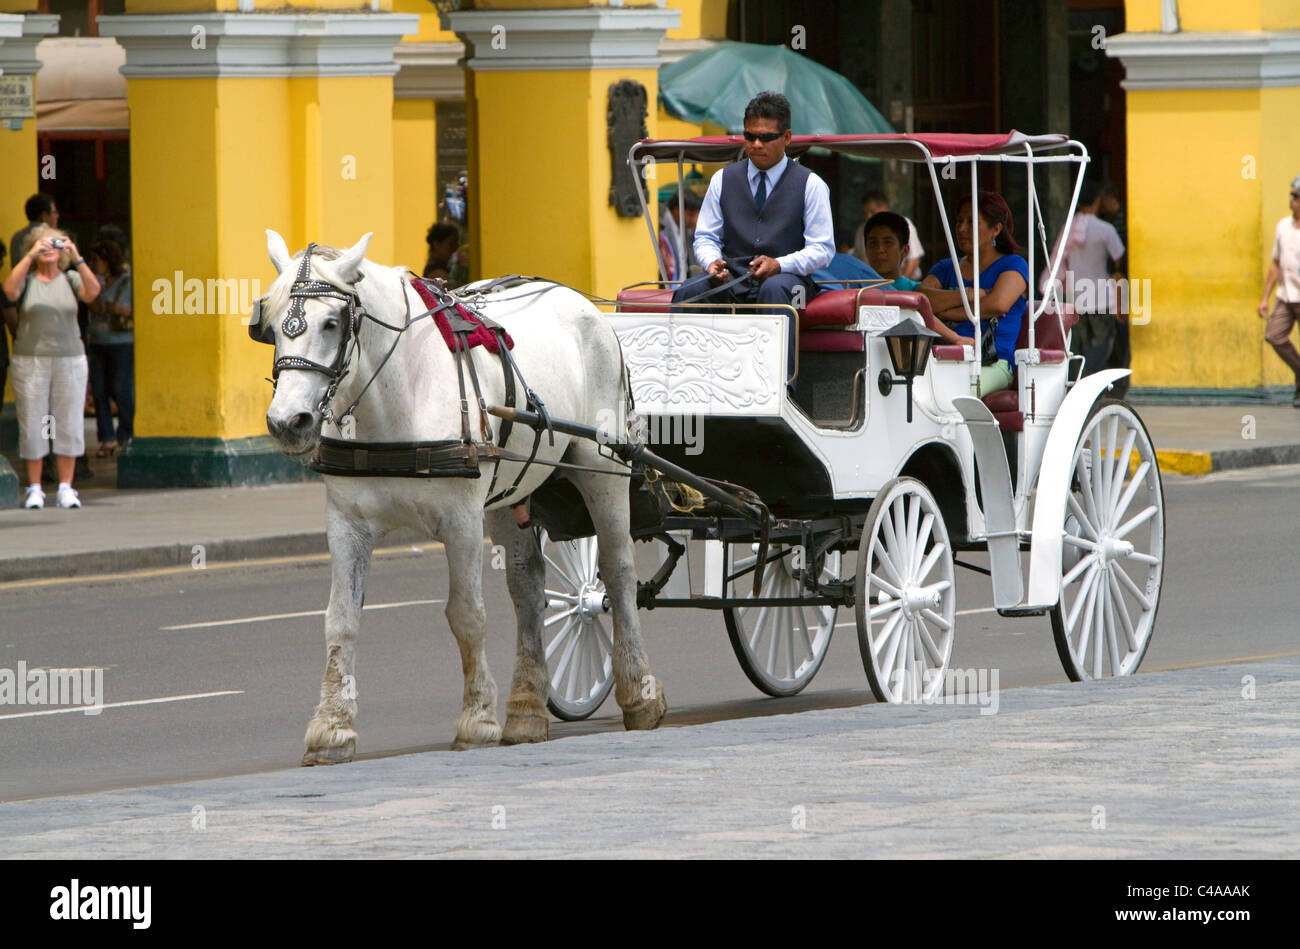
{"x":49,"y":361}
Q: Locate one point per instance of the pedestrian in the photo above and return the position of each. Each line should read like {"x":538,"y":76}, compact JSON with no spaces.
{"x":49,"y":360}
{"x":1092,"y":256}
{"x":1121,"y":352}
{"x":111,"y":347}
{"x":1284,"y":274}
{"x":40,"y":209}
{"x":443,"y":240}
{"x":873,"y":203}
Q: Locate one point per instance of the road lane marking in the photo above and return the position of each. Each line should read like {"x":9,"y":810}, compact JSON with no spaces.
{"x":82,"y":708}
{"x":222,"y":565}
{"x":274,"y":616}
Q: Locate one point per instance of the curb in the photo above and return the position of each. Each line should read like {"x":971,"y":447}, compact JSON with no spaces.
{"x":1204,"y":462}
{"x":96,"y":562}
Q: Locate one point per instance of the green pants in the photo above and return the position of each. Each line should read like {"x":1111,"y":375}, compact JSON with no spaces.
{"x":994,"y":378}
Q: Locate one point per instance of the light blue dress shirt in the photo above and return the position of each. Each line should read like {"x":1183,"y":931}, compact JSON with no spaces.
{"x":818,"y":230}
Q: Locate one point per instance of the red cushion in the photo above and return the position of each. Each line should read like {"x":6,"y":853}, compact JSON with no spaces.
{"x":840,"y":307}
{"x":1004,"y":400}
{"x":1010,"y":421}
{"x":831,"y":341}
{"x":948,"y":353}
{"x":1047,"y":332}
{"x":652,"y":298}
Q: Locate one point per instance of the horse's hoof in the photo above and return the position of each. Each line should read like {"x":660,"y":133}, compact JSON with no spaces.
{"x":523,"y":729}
{"x":335,"y":754}
{"x":476,"y":733}
{"x":647,"y":714}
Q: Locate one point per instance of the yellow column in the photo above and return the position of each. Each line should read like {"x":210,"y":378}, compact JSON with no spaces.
{"x":239,"y":123}
{"x":541,"y":164}
{"x":1213,"y":144}
{"x":19,"y":159}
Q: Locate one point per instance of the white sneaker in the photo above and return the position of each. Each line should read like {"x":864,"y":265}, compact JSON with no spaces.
{"x":35,"y":497}
{"x":68,"y":496}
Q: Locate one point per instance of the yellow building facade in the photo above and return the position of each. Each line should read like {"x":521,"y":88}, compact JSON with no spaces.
{"x":1213,"y":98}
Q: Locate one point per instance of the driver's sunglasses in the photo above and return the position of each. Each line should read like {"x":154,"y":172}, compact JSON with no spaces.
{"x":763,"y":137}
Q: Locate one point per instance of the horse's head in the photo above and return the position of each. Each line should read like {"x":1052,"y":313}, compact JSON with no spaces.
{"x":310,"y":314}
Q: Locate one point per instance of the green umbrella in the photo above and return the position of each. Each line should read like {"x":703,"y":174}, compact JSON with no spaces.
{"x":717,"y":83}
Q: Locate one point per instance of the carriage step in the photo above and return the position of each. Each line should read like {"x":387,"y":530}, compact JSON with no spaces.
{"x":1024,"y":611}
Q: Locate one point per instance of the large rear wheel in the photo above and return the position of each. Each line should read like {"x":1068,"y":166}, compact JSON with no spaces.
{"x":1112,"y":559}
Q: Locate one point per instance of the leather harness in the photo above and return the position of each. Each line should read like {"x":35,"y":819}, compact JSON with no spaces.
{"x":443,"y":458}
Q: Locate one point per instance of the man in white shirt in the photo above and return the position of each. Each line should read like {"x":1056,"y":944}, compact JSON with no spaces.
{"x":873,"y":203}
{"x":766,"y":214}
{"x":1088,"y":246}
{"x":1284,"y":273}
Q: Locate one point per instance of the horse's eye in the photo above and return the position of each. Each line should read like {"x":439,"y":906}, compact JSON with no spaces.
{"x":331,"y":323}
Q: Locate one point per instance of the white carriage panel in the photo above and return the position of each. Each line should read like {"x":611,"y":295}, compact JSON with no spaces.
{"x":684,"y":364}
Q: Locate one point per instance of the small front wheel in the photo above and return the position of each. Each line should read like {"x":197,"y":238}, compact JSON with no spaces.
{"x":906,"y":595}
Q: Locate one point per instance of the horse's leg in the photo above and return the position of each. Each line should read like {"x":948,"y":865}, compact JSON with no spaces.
{"x":330,"y":735}
{"x":526,"y":716}
{"x":477,"y":724}
{"x":640,"y":695}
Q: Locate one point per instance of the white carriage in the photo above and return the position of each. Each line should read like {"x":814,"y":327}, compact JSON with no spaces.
{"x":900,"y":472}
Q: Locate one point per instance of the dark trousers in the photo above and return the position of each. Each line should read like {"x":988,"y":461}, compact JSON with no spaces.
{"x":1094,"y":339}
{"x":112,"y":373}
{"x":779,"y":288}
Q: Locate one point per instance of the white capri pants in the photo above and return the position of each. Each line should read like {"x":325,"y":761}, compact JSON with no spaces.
{"x":50,"y":395}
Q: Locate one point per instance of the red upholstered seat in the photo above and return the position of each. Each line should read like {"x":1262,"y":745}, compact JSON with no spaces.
{"x":651,"y":298}
{"x":832,"y":341}
{"x":840,"y":307}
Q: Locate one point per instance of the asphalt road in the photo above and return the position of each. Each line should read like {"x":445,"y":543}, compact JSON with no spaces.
{"x":231,"y":691}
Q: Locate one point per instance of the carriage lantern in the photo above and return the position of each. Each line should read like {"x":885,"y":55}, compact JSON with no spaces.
{"x":909,"y":348}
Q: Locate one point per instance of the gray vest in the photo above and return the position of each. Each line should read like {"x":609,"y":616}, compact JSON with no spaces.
{"x":776,"y":230}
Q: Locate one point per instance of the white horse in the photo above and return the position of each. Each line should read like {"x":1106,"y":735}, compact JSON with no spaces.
{"x":570,"y":356}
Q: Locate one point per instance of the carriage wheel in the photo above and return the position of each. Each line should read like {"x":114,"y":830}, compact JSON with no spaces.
{"x":779,"y":647}
{"x":575,"y":634}
{"x":1114,"y":548}
{"x":906,"y":598}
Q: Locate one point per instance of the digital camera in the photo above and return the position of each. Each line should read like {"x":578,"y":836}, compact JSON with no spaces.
{"x":57,"y":242}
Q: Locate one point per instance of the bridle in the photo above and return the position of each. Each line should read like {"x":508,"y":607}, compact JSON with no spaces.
{"x":295,"y":324}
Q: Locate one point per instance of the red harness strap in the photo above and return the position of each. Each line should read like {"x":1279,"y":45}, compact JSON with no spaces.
{"x":481,"y":336}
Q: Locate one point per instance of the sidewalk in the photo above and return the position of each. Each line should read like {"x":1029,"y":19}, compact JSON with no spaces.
{"x":1166,"y":765}
{"x":117,"y":531}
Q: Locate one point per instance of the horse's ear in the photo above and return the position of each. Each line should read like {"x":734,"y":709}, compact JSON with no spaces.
{"x":277,"y":251}
{"x":348,"y":265}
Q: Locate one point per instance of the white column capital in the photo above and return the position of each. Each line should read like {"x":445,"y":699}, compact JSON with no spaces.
{"x":430,"y":71}
{"x":19,"y":34}
{"x":1247,"y":60}
{"x":211,"y":45}
{"x":586,"y":38}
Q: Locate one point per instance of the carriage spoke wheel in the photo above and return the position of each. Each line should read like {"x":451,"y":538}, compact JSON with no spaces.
{"x":1112,"y":558}
{"x":906,"y":598}
{"x":779,"y":647}
{"x":576,"y":630}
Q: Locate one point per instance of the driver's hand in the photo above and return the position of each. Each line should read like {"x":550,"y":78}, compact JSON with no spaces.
{"x":718,"y":270}
{"x":764,"y":267}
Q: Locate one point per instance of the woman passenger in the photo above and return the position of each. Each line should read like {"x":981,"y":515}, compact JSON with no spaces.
{"x":1003,"y":283}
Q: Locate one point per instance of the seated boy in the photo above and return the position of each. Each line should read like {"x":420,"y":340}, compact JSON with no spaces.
{"x":885,"y":239}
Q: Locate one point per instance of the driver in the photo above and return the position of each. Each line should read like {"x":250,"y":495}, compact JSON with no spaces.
{"x":770,"y":212}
